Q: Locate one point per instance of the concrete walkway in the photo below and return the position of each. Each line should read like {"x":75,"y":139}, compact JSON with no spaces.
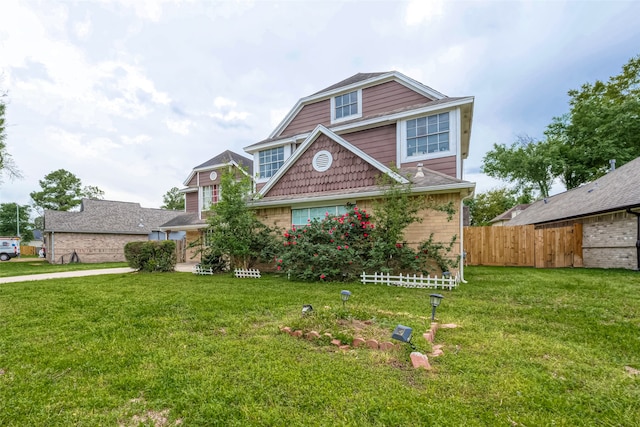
{"x":183,"y":268}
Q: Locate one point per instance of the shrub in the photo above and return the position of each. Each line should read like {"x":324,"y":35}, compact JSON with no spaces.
{"x":152,"y":256}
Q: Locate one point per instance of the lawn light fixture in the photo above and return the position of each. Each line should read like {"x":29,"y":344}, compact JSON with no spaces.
{"x":435,"y":300}
{"x":403,"y":333}
{"x":307,"y":309}
{"x":345,"y":297}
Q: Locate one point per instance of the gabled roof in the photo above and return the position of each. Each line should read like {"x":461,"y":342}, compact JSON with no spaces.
{"x":354,"y":82}
{"x":615,"y":191}
{"x":508,"y":214}
{"x":108,"y":217}
{"x":225,"y":158}
{"x":184,"y":221}
{"x":307,"y":143}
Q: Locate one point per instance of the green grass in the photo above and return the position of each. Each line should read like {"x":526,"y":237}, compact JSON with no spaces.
{"x":40,"y":266}
{"x":533,"y":347}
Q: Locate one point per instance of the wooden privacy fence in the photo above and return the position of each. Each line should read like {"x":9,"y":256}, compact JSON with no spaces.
{"x":524,"y":246}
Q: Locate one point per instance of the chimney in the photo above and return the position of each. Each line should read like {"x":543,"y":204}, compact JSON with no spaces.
{"x":419,"y":174}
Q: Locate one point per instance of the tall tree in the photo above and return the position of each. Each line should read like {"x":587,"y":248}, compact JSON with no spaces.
{"x":234,"y":231}
{"x":14,"y":220}
{"x":173,"y":200}
{"x":527,"y":163}
{"x":62,"y":191}
{"x":7,"y":165}
{"x":603,"y":124}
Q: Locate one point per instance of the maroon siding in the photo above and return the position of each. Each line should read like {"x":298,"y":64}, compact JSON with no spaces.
{"x":309,"y":117}
{"x":205,"y":180}
{"x":445,"y":165}
{"x":191,"y":202}
{"x":194,"y":181}
{"x":389,"y":96}
{"x":379,"y":143}
{"x":347,"y":171}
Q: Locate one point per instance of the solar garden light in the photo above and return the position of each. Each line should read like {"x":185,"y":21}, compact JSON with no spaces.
{"x":435,"y":302}
{"x":403,"y":333}
{"x":306,"y":309}
{"x":345,"y":297}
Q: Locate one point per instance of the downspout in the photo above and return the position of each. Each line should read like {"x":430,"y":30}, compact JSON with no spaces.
{"x":52,"y":251}
{"x":462,"y":254}
{"x":637,"y":214}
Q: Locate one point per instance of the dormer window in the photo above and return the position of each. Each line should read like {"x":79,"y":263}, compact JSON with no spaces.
{"x":346,"y":106}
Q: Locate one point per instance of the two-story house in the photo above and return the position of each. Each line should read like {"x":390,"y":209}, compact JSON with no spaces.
{"x":333,"y":145}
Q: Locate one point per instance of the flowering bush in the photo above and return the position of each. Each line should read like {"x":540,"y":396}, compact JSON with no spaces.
{"x":334,"y":248}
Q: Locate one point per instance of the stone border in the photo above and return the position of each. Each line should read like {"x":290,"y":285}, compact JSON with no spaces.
{"x":418,"y":359}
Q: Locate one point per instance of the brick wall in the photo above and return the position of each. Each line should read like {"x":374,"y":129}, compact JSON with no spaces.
{"x":609,"y":241}
{"x":90,"y":248}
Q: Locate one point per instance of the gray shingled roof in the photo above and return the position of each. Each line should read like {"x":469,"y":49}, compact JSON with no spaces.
{"x":108,"y":217}
{"x":371,"y":116}
{"x":617,"y":190}
{"x":226,"y":157}
{"x":351,"y":80}
{"x":508,"y":214}
{"x":186,"y":219}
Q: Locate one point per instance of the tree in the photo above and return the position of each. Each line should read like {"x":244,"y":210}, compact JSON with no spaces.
{"x":173,"y":200}
{"x":488,"y":205}
{"x":603,"y":124}
{"x":527,"y":163}
{"x":10,"y":215}
{"x":62,"y":191}
{"x":234,"y":231}
{"x":7,"y":165}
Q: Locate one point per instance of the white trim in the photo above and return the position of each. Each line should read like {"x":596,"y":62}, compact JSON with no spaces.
{"x":458,"y":143}
{"x":368,"y":123}
{"x":213,"y":175}
{"x":350,"y":117}
{"x":454,"y":139}
{"x":256,"y":162}
{"x":392,"y":76}
{"x":212,"y":167}
{"x":188,"y":190}
{"x":312,"y":137}
{"x":334,"y":198}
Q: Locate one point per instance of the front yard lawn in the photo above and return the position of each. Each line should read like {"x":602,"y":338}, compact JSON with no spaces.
{"x":40,"y":266}
{"x":533,"y":347}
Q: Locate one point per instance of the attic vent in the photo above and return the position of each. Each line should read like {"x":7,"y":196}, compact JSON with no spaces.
{"x":213,"y":175}
{"x":322,"y":161}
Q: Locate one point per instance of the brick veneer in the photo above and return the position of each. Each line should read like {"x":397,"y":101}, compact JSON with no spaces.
{"x":609,"y":241}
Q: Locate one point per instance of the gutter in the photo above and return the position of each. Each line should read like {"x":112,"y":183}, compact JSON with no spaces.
{"x":637,"y":214}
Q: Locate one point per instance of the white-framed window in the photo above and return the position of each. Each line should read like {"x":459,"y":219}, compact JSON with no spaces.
{"x":301,"y":217}
{"x":270,"y":161}
{"x":210,"y":196}
{"x":346,"y":106}
{"x":429,"y":136}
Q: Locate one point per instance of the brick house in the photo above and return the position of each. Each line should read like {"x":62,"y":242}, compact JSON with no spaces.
{"x":99,"y":231}
{"x":333,"y":145}
{"x":609,"y":211}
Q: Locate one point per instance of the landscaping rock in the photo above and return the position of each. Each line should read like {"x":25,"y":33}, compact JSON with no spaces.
{"x":358,"y":342}
{"x":419,"y":360}
{"x":386,"y":345}
{"x":372,"y":344}
{"x":434,"y":327}
{"x":286,"y":329}
{"x":449,"y":326}
{"x":345,"y":347}
{"x":327,"y":334}
{"x":428,"y":336}
{"x":297,"y":333}
{"x":313,"y":335}
{"x":631,"y":371}
{"x":336,"y":343}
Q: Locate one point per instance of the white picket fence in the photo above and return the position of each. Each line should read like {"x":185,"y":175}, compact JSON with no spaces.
{"x":253,"y":273}
{"x":412,"y":281}
{"x":198,"y":269}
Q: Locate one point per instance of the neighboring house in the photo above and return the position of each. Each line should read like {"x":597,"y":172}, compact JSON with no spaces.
{"x":608,"y":210}
{"x":99,"y":231}
{"x":507,"y":216}
{"x":331,"y":148}
{"x":37,"y":241}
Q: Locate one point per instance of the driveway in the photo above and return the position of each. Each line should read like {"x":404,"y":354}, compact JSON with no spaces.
{"x":183,"y":268}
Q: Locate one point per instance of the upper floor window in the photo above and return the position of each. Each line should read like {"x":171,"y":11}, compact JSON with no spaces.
{"x":428,"y":134}
{"x":270,"y":161}
{"x":209,"y":196}
{"x":346,"y":106}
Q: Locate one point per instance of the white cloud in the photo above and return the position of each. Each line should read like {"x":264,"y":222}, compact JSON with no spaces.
{"x":78,"y":145}
{"x":277,"y":115}
{"x":219,"y":102}
{"x":419,"y":11}
{"x":82,"y":29}
{"x":135,"y":140}
{"x":180,"y":127}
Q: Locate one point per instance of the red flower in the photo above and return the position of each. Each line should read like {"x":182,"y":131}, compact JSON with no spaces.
{"x":279,"y":268}
{"x":398,"y":245}
{"x":280,"y":261}
{"x":315,"y":254}
{"x":339,"y":247}
{"x":346,"y":246}
{"x":294,"y":243}
{"x":322,"y":276}
{"x":366,"y":235}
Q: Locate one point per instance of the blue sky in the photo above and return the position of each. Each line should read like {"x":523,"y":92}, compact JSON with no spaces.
{"x":130,"y":95}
